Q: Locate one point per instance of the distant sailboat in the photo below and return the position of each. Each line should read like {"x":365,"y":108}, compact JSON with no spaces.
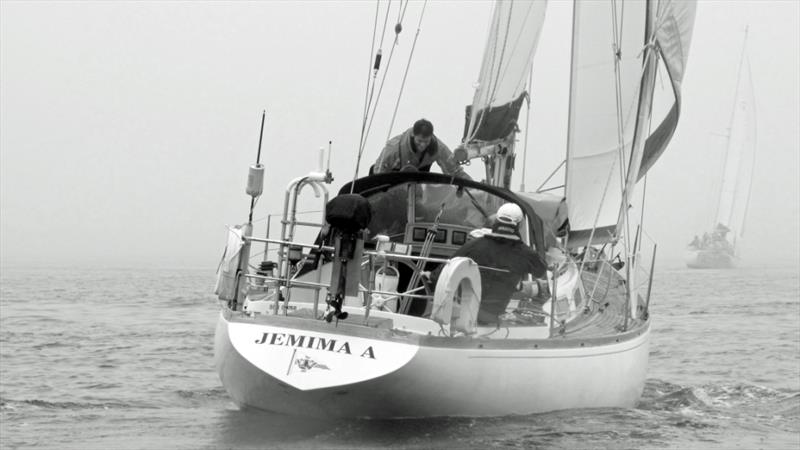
{"x":717,"y":249}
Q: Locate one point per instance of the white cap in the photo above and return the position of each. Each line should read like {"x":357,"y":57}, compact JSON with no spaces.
{"x":510,"y":214}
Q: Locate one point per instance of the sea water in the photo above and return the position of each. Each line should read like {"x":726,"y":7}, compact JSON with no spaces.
{"x":102,"y":358}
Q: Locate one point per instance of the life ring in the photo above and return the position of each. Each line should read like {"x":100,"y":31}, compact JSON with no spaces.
{"x":457,"y":297}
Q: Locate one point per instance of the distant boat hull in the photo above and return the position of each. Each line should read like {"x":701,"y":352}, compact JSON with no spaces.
{"x":421,"y":376}
{"x":709,"y":259}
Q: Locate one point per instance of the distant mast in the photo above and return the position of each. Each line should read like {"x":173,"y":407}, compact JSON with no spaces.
{"x":737,"y":177}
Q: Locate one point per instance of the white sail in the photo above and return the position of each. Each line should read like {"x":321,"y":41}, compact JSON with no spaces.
{"x":673,"y":31}
{"x":513,"y":35}
{"x":604,"y":97}
{"x":738,"y":172}
{"x":613,"y":75}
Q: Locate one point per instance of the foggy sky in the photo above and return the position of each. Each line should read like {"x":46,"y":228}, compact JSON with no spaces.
{"x":126,"y":128}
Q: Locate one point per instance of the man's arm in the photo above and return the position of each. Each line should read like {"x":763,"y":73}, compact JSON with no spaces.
{"x":538,"y":287}
{"x":445,"y":160}
{"x":536,"y":266}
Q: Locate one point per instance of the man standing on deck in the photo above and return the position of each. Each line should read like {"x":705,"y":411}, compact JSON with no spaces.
{"x":417,"y":148}
{"x":502,"y":249}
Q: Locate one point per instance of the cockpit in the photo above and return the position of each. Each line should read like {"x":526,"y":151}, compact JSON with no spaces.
{"x":405,"y":207}
{"x":383,"y":234}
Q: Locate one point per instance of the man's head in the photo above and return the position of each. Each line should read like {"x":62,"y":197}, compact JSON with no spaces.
{"x":507,"y":222}
{"x":423,"y":134}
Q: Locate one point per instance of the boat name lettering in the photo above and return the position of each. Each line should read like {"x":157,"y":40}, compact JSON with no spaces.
{"x":312,"y":342}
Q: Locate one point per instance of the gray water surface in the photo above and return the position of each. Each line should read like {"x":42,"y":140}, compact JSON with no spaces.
{"x":102,"y":358}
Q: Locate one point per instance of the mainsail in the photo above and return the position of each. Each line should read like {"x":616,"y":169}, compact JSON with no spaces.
{"x":738,"y":173}
{"x":491,"y":120}
{"x":612,"y":79}
{"x":513,"y":34}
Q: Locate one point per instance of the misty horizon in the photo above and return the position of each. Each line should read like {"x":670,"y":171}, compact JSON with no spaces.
{"x":126,"y":129}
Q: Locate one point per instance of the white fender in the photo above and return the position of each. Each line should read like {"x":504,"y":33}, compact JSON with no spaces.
{"x":229,"y":265}
{"x":386,"y":279}
{"x":462,"y":311}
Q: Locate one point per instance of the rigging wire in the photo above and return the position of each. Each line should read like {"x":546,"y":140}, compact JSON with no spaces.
{"x":401,"y":13}
{"x":376,"y":68}
{"x":527,"y":123}
{"x":539,"y":189}
{"x":514,"y":50}
{"x":753,"y":160}
{"x":644,"y":189}
{"x":621,"y":154}
{"x":371,"y":51}
{"x":496,"y":79}
{"x":729,"y":219}
{"x":408,"y":65}
{"x":617,"y":30}
{"x":371,"y":89}
{"x":494,"y":33}
{"x":398,"y":28}
{"x":385,"y":21}
{"x":525,"y":25}
{"x":498,"y":65}
{"x":618,"y":98}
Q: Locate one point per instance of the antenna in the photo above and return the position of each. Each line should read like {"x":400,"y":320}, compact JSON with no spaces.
{"x":255,"y":177}
{"x":330,"y":149}
{"x":261,"y":136}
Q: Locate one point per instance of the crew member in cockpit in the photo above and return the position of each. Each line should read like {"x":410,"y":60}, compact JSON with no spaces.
{"x":502,"y":249}
{"x":417,"y":149}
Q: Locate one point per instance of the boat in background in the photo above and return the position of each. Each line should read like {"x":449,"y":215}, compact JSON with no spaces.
{"x":347,"y":326}
{"x":718,"y":249}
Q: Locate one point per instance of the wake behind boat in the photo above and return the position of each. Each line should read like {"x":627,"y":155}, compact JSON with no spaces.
{"x":352,"y":325}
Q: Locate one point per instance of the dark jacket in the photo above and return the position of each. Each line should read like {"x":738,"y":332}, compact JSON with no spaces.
{"x":400,"y":152}
{"x":513,"y":256}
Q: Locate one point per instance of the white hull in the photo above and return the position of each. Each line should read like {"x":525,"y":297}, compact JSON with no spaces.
{"x":423,"y":376}
{"x":709,"y":259}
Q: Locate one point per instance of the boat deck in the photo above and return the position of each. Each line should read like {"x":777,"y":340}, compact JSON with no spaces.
{"x":600,"y":313}
{"x":605,"y":309}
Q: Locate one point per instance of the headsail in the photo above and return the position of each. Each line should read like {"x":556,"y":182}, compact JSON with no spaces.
{"x":613,"y":49}
{"x":737,"y":177}
{"x":673,"y":34}
{"x":604,"y":94}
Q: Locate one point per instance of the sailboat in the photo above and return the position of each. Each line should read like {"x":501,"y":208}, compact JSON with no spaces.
{"x":718,"y":249}
{"x":346,"y":325}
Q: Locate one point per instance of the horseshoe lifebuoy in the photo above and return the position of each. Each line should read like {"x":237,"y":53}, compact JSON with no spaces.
{"x":457,"y":297}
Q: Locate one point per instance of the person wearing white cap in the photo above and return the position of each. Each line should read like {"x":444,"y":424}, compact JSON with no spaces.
{"x":502,"y":249}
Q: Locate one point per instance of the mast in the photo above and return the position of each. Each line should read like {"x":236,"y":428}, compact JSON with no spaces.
{"x":730,"y":125}
{"x":753,"y":159}
{"x":734,"y":193}
{"x":644,"y":108}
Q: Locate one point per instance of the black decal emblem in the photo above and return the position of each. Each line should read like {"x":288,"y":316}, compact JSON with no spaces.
{"x":305,"y":364}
